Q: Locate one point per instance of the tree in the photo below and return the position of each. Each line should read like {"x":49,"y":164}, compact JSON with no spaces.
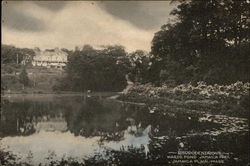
{"x":23,"y":78}
{"x":98,"y":70}
{"x":208,"y":42}
{"x":13,"y":55}
{"x":141,"y":63}
{"x":114,"y":50}
{"x":88,"y":50}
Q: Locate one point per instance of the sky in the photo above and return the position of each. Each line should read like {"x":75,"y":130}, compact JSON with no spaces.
{"x":50,"y":24}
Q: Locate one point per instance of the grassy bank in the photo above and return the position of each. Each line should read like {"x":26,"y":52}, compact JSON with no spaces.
{"x":232,"y":100}
{"x":41,"y":80}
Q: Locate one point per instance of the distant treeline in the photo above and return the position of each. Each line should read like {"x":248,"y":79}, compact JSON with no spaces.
{"x":13,"y":55}
{"x":87,"y":68}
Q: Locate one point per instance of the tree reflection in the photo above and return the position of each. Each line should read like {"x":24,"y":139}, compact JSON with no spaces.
{"x":94,"y":117}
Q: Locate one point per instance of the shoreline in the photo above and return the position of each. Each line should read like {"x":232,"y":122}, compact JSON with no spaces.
{"x":222,"y":100}
{"x":51,"y":94}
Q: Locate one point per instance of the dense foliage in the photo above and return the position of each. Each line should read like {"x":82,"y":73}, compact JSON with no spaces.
{"x":98,"y":70}
{"x":140,"y":62}
{"x":230,"y":99}
{"x":13,"y":55}
{"x":209,"y":41}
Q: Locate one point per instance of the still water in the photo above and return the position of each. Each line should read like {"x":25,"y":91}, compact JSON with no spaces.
{"x":44,"y":128}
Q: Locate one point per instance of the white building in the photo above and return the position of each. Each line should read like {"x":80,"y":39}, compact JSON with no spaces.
{"x":55,"y":58}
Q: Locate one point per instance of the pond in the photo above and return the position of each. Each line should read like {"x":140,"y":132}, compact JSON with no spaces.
{"x":41,"y":129}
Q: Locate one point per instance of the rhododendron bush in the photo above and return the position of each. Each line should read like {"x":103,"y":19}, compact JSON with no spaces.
{"x":218,"y":99}
{"x":235,"y":90}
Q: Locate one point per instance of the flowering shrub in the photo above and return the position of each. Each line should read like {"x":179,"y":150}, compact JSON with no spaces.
{"x":235,"y":90}
{"x":229,"y":100}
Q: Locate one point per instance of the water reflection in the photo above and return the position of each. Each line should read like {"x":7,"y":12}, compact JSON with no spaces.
{"x":91,"y":117}
{"x":80,"y":127}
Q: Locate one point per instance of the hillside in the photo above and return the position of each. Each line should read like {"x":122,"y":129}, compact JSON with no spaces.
{"x":41,"y":80}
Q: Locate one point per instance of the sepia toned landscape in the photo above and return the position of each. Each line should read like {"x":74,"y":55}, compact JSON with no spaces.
{"x":125,"y":83}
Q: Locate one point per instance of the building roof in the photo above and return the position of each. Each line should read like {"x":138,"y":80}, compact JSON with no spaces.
{"x":55,"y":55}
